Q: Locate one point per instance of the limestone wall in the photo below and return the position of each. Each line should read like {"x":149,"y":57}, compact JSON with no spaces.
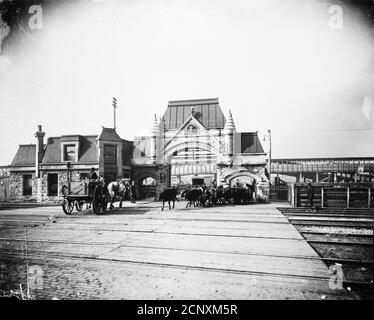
{"x":40,"y":185}
{"x":16,"y":187}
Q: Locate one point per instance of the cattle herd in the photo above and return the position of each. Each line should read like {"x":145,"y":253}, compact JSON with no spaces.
{"x":208,"y":196}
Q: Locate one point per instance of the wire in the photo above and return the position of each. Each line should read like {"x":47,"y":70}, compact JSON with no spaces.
{"x":319,"y":130}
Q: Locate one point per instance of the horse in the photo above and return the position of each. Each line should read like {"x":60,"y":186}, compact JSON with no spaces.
{"x":118,"y":188}
{"x":169,"y":195}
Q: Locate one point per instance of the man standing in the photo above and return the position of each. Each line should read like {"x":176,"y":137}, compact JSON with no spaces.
{"x":133,"y":193}
{"x":92,"y":175}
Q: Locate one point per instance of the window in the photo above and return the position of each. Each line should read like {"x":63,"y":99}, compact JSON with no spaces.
{"x":70,"y":152}
{"x":191,"y":129}
{"x":110,"y":154}
{"x":27,"y":184}
{"x":52,"y":184}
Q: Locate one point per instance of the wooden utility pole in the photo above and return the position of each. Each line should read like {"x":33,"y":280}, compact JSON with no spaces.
{"x":269,"y":169}
{"x":114,"y":103}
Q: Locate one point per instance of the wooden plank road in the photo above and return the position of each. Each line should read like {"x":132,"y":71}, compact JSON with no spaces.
{"x":238,"y":252}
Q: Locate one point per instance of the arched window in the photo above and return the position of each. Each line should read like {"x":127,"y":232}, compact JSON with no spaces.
{"x":191,"y":129}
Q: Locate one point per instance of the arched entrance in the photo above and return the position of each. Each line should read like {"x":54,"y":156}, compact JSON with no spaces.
{"x":146,"y":183}
{"x":242,"y":177}
{"x":190,"y":162}
{"x":147,"y":188}
{"x":241,"y":181}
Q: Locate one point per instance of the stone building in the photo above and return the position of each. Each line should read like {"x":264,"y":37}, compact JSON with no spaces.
{"x":38,"y":171}
{"x":198,"y":144}
{"x":193,"y":143}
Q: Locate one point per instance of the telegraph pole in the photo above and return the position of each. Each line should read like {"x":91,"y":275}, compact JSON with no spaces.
{"x":269,"y":132}
{"x":114,"y":103}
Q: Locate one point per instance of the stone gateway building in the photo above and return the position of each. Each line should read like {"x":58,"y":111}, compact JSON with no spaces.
{"x":192,"y":144}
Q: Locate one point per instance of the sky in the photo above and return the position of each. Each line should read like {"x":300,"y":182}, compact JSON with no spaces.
{"x":277,"y":64}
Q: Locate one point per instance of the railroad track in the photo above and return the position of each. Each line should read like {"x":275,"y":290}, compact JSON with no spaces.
{"x":41,"y":255}
{"x":335,"y":234}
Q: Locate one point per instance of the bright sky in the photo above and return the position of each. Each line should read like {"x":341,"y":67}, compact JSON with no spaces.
{"x":276,"y":64}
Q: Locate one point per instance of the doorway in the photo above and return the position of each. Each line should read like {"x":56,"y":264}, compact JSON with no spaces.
{"x":52,"y":184}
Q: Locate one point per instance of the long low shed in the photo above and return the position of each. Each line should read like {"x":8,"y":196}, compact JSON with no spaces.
{"x":347,"y":195}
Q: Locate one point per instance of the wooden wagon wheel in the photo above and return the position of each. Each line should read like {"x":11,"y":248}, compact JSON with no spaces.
{"x":104,"y":203}
{"x":97,"y":199}
{"x":68,"y":206}
{"x":79,"y":205}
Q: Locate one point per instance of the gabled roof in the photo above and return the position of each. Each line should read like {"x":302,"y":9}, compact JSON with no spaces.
{"x":109,"y":134}
{"x":250,"y":143}
{"x":88,"y":151}
{"x":207,"y":111}
{"x":25,"y":155}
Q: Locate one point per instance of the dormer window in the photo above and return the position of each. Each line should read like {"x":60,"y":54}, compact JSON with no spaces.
{"x":70,"y":153}
{"x":70,"y":148}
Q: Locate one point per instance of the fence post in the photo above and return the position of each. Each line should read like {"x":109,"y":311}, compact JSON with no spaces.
{"x":322,"y":197}
{"x":348,"y":196}
{"x":292,"y":196}
{"x":369,"y":196}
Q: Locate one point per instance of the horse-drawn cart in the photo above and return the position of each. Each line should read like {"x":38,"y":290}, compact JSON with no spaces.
{"x":76,"y":194}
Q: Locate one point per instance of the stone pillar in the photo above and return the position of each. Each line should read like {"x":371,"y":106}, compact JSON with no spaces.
{"x":218,"y":177}
{"x":228,"y":132}
{"x":317,"y":177}
{"x":39,"y":189}
{"x":153,"y":140}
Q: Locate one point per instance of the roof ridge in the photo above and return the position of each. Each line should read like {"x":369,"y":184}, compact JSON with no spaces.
{"x":172,"y":103}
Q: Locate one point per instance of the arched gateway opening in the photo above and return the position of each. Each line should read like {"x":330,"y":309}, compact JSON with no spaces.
{"x":241,"y":177}
{"x":192,"y":164}
{"x":147,"y":188}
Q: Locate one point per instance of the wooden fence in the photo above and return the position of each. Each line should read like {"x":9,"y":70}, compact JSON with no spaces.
{"x":347,"y":195}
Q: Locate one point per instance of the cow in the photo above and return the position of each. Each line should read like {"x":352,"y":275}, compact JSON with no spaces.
{"x":169,"y":195}
{"x":220,"y":195}
{"x":193,"y":196}
{"x":210,"y":196}
{"x":227,"y":195}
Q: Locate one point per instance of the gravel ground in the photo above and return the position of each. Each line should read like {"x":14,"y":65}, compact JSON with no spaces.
{"x":335,"y":230}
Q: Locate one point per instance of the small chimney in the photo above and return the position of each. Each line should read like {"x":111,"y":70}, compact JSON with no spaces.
{"x":39,"y":135}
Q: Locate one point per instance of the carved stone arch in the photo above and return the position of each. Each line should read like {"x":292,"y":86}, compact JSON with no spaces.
{"x":240,"y":173}
{"x":181,"y":146}
{"x":146,"y":174}
{"x":140,"y":176}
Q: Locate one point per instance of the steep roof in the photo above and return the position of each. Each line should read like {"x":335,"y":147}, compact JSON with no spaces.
{"x":207,"y":111}
{"x":250,"y":143}
{"x":25,"y":155}
{"x":88,"y":151}
{"x":109,"y":134}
